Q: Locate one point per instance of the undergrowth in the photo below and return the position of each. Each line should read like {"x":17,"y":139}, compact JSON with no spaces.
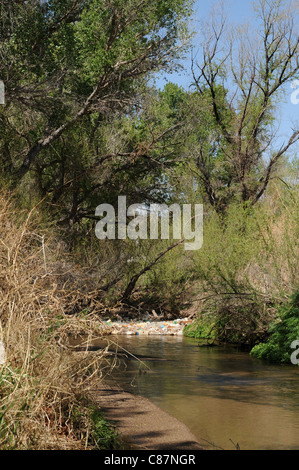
{"x":283,"y":331}
{"x":44,"y":384}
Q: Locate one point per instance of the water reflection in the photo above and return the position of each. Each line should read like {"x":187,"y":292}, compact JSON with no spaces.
{"x":221,"y":394}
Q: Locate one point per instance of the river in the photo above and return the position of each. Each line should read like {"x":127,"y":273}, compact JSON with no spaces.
{"x":223,"y":395}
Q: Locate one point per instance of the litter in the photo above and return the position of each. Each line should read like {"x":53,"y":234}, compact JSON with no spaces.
{"x":171,"y":327}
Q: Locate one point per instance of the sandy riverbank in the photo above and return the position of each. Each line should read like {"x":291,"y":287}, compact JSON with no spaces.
{"x":143,"y":425}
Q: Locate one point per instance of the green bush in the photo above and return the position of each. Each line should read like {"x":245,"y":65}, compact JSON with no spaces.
{"x":282,"y":333}
{"x":103,"y":433}
{"x":202,"y":328}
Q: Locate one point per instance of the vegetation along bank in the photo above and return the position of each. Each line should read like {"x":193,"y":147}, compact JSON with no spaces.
{"x":82,"y":122}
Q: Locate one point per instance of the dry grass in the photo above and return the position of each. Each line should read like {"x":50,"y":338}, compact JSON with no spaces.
{"x":43,"y":386}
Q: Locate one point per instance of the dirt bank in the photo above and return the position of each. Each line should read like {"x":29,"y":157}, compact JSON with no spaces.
{"x":141,"y":423}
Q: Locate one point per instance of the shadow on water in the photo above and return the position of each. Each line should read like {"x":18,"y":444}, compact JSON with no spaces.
{"x":223,"y":395}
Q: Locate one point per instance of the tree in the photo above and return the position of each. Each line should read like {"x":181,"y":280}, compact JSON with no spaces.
{"x":70,"y":65}
{"x":239,"y":82}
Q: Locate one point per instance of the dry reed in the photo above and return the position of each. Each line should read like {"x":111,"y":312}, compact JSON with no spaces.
{"x":43,"y":385}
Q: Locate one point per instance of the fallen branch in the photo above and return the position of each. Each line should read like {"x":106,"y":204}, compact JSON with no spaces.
{"x":131,"y":286}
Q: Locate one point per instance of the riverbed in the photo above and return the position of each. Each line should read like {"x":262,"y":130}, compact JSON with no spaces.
{"x":225,"y":397}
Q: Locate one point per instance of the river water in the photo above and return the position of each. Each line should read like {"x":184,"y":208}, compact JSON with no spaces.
{"x":224,"y":396}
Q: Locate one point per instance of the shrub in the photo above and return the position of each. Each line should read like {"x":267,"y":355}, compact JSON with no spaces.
{"x":283,"y":332}
{"x":202,"y":328}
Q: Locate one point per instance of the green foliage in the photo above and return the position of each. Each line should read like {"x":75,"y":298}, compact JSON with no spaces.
{"x":81,"y":126}
{"x":202,"y":328}
{"x":78,"y":66}
{"x":248,"y":264}
{"x":282,"y":332}
{"x":228,"y":248}
{"x":103,"y":433}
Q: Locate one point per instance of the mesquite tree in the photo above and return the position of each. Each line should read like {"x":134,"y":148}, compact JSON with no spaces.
{"x":70,"y":67}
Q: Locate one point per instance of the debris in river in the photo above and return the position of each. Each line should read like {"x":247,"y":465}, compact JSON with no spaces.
{"x":173,"y":328}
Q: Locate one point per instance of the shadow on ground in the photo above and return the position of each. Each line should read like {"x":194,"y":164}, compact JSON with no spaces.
{"x":142,"y":424}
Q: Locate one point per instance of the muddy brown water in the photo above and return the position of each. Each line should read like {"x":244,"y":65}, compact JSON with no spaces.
{"x":224,"y":396}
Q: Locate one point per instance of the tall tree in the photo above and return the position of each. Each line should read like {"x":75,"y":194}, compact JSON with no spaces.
{"x":239,"y":80}
{"x":69,"y":65}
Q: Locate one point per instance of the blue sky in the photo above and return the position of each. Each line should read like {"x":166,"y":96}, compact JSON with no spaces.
{"x":238,"y":12}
